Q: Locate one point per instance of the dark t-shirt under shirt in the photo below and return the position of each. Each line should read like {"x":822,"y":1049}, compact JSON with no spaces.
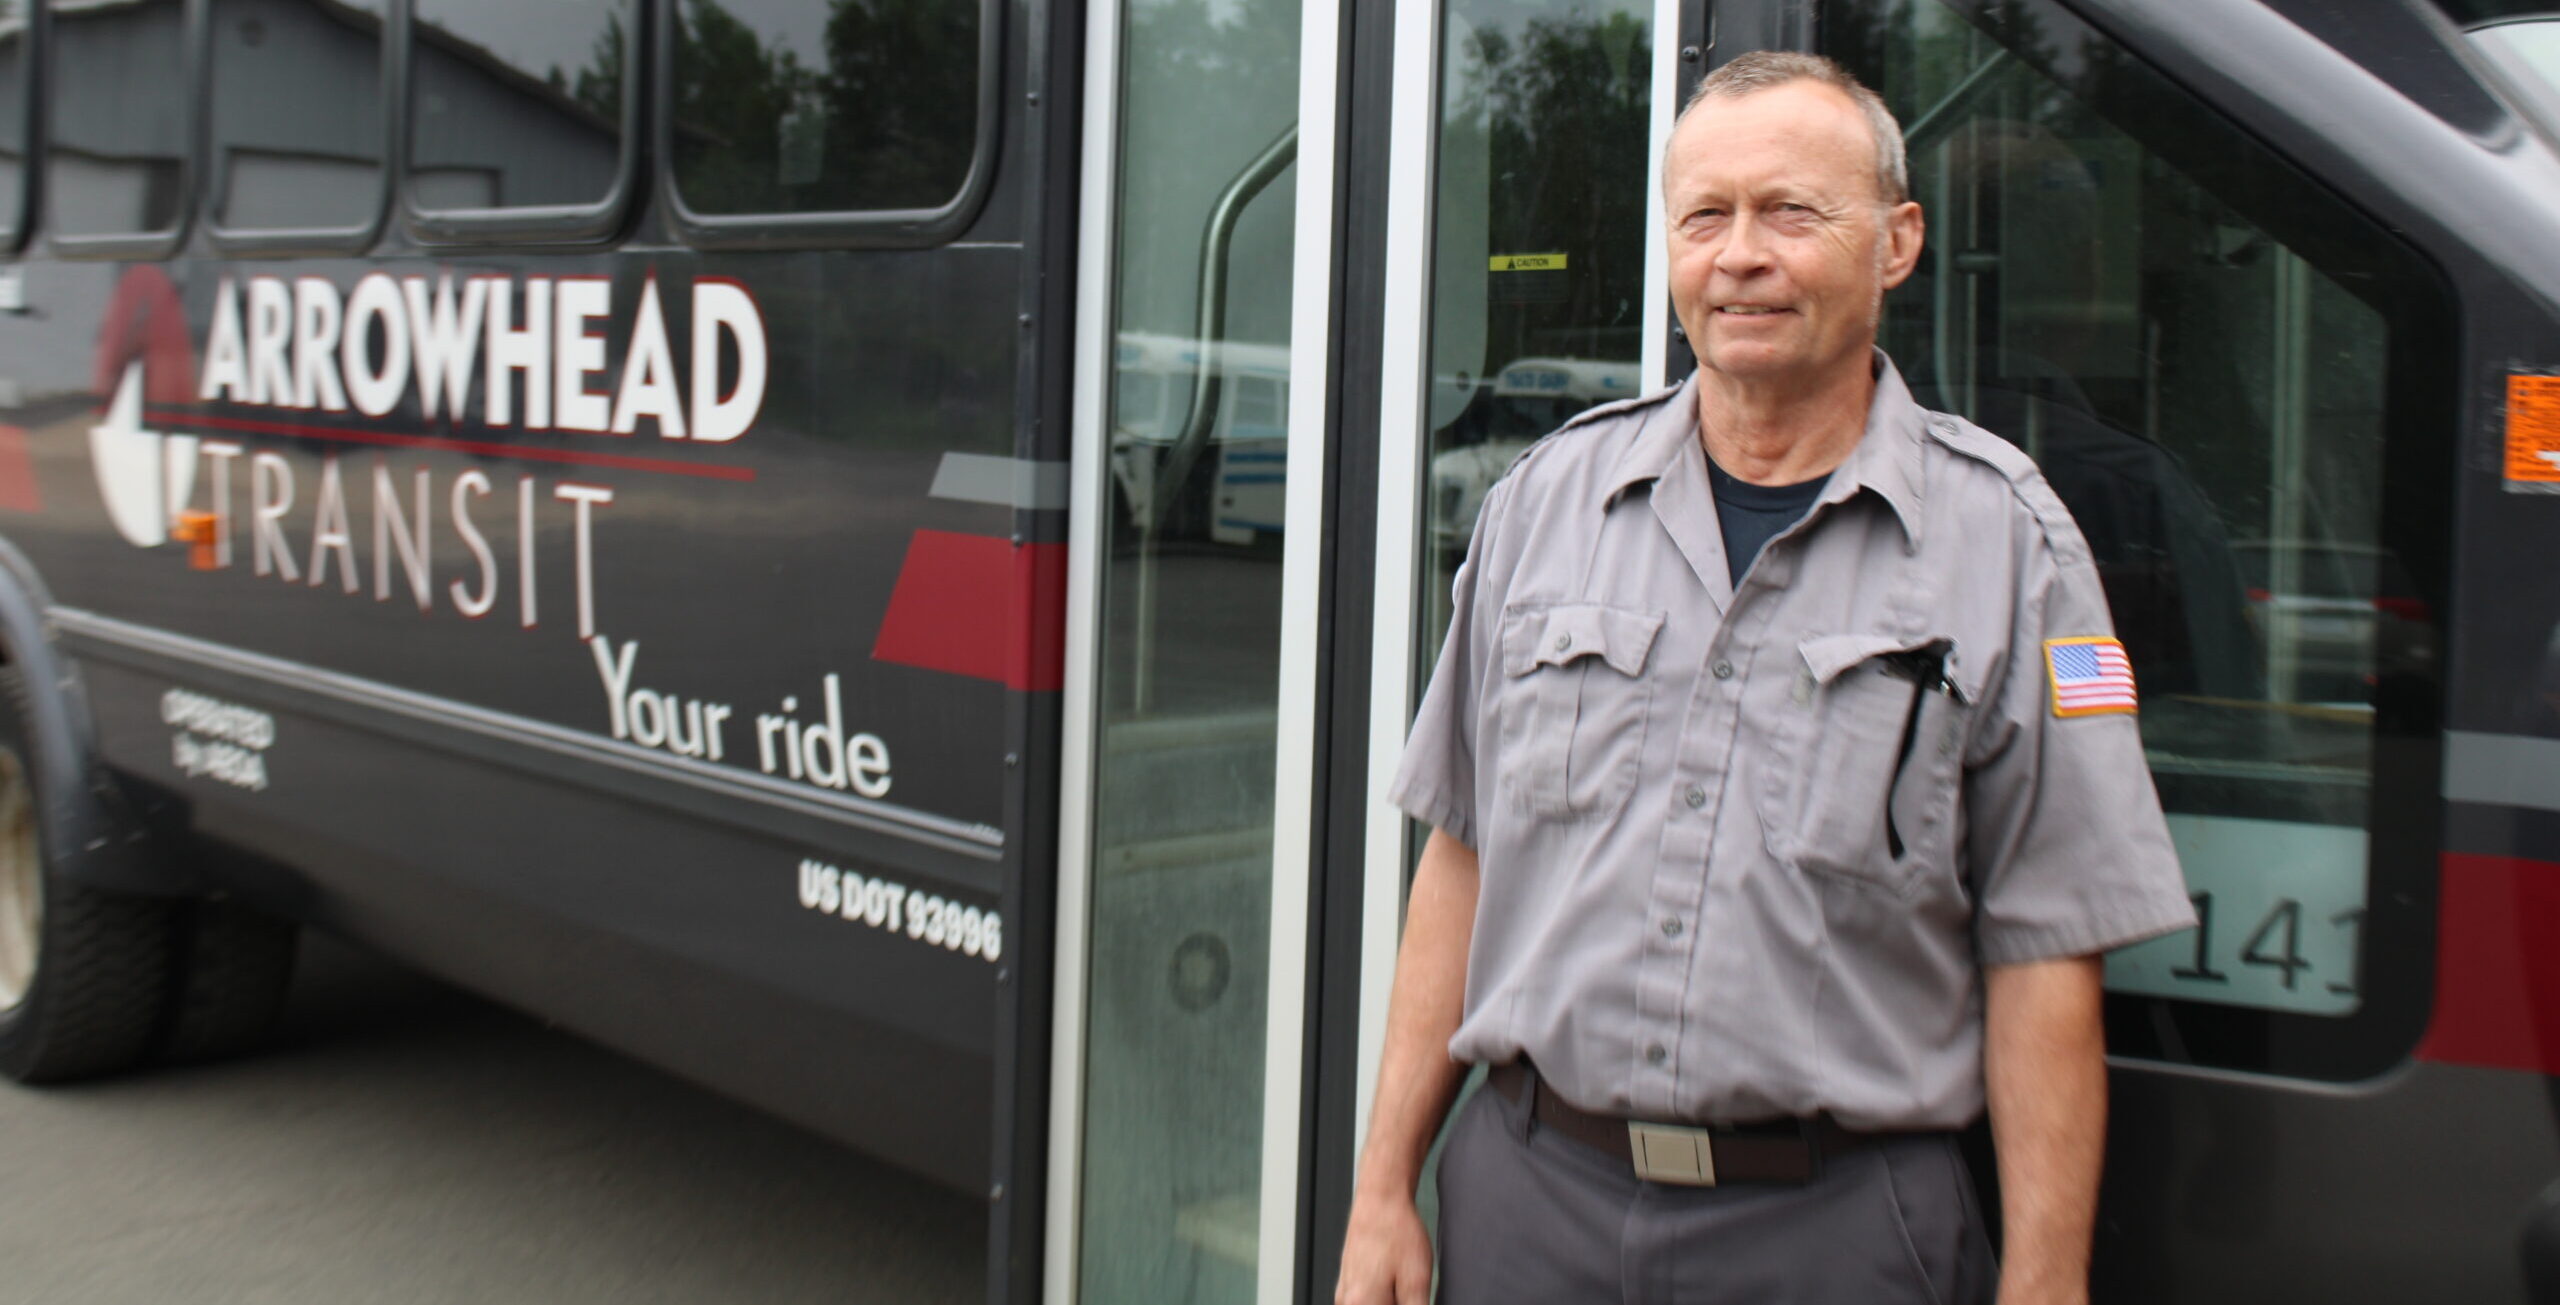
{"x":1752,"y":515}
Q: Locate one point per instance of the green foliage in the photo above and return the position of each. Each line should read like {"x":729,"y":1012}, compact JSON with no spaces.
{"x":888,"y":120}
{"x":1563,"y":103}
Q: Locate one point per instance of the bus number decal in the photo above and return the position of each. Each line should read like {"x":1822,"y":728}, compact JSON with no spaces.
{"x":896,"y":909}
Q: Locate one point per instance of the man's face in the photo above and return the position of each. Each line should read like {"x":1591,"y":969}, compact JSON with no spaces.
{"x":1781,"y":246}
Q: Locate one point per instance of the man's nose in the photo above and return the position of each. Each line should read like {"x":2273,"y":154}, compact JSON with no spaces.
{"x":1745,"y":249}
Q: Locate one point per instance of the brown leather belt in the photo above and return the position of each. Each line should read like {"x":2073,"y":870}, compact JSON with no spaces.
{"x":1782,"y":1151}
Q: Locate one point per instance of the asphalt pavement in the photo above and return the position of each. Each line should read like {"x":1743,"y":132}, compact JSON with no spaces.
{"x":403,"y":1142}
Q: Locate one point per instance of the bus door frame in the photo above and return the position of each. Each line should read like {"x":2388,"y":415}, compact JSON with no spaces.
{"x":1313,"y":291}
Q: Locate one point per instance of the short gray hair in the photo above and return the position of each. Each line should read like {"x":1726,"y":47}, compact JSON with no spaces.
{"x":1763,"y":70}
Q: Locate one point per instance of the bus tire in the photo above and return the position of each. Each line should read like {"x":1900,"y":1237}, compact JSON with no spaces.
{"x":83,"y":972}
{"x":233,"y":969}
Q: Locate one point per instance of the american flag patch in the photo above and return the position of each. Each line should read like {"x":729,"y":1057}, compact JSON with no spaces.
{"x":2090,"y":676}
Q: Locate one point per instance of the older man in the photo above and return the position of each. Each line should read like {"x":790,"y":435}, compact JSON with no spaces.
{"x":1785,"y":783}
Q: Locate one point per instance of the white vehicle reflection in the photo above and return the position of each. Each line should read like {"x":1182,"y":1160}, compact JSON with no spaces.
{"x":1527,"y":400}
{"x":2330,"y":611}
{"x":1155,"y":378}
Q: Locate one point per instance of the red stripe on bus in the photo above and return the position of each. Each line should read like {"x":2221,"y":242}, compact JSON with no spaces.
{"x":17,"y":472}
{"x":145,"y":320}
{"x":347,"y":435}
{"x":980,"y":606}
{"x":2497,"y":964}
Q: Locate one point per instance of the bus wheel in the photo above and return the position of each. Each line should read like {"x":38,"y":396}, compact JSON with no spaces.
{"x":83,"y":973}
{"x":231,"y":978}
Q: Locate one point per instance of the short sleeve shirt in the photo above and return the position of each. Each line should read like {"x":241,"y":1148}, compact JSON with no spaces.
{"x":1739,"y":859}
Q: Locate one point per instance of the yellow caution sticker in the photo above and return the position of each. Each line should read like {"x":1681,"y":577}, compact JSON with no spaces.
{"x":2533,"y":429}
{"x":1528,"y":262}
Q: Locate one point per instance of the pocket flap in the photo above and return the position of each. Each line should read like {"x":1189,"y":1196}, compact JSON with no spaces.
{"x":1552,"y":636}
{"x":1828,"y":655}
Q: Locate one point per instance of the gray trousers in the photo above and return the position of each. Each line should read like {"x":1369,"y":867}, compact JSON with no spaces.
{"x":1529,"y":1215}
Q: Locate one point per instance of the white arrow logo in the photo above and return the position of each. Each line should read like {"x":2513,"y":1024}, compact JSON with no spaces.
{"x":145,"y":476}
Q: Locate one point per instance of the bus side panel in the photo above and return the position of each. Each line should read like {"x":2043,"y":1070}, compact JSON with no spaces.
{"x":709,"y":763}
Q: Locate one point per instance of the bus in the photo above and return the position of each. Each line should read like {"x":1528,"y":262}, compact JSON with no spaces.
{"x":878,"y":555}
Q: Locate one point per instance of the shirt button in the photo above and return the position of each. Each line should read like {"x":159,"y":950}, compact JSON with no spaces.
{"x":1723,"y":670}
{"x":1655,"y":1055}
{"x":1671,"y":927}
{"x":1563,"y":641}
{"x":1695,"y":797}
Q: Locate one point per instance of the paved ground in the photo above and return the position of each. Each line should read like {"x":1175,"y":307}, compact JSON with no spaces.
{"x":405,"y":1143}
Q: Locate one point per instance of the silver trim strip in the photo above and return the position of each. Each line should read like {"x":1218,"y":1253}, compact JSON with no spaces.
{"x":299,"y":678}
{"x":1301,"y":597}
{"x":2504,"y":770}
{"x":1089,"y":452}
{"x":1655,"y":351}
{"x":1293,"y":799}
{"x":1007,"y":482}
{"x":1413,"y":130}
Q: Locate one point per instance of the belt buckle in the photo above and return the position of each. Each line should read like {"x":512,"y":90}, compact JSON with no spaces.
{"x":1669,"y":1153}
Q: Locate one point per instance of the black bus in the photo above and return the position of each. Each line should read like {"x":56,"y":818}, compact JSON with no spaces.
{"x":877,"y":553}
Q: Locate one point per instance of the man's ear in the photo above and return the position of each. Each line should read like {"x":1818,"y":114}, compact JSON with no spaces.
{"x":1905,"y":229}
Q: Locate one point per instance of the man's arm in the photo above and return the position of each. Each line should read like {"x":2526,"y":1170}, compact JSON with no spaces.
{"x":2045,"y":1067}
{"x":1386,"y":1254}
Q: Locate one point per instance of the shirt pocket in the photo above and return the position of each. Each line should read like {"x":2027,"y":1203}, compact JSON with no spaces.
{"x":1867,"y":778}
{"x":1572,"y":708}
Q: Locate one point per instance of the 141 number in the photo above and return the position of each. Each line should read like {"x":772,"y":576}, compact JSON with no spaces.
{"x":2276,"y":943}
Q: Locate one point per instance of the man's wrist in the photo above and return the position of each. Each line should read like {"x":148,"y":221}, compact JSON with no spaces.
{"x":2026,"y":1279}
{"x":1393,"y":1183}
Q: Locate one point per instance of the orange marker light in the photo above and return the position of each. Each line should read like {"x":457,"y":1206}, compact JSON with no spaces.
{"x":196,"y":528}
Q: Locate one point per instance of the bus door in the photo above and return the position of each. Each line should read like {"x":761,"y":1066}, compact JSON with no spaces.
{"x":1524,"y":283}
{"x":2238,"y":380}
{"x":1185,"y":780}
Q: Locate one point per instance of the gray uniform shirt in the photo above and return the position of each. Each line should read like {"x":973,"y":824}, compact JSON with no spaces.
{"x":1679,"y":789}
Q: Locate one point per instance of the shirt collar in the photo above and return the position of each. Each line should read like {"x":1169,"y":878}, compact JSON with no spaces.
{"x":1887,"y":458}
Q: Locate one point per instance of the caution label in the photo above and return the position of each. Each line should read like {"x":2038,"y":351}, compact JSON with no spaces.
{"x":2533,"y":429}
{"x":1528,"y":262}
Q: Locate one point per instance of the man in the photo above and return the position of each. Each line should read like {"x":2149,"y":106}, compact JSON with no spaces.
{"x":1785,"y":785}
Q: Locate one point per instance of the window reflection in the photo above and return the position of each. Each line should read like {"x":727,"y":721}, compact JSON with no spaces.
{"x":120,"y":117}
{"x":13,"y":113}
{"x":516,"y":105}
{"x":792,"y":106}
{"x":1189,"y":654}
{"x":1538,"y":263}
{"x":2211,"y":406}
{"x":297,"y":113}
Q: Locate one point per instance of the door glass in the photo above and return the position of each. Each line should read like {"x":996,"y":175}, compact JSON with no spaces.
{"x":1537,"y":308}
{"x":1538,"y":258}
{"x":1190,"y":653}
{"x":2201,"y":350}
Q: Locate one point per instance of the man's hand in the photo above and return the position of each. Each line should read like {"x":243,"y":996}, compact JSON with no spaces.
{"x":2045,"y":1064}
{"x":1386,"y":1254}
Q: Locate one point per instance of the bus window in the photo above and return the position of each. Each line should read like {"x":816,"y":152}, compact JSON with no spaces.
{"x":296,"y":115}
{"x":2212,"y":361}
{"x":824,"y":106}
{"x":517,"y":106}
{"x":116,"y":166}
{"x":15,"y":31}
